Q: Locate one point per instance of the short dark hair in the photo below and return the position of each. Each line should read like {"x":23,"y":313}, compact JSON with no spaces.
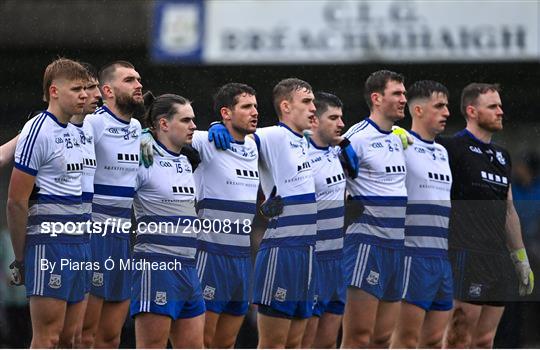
{"x":92,"y":71}
{"x":284,"y":89}
{"x":107,"y":71}
{"x":470,"y":94}
{"x":227,"y":95}
{"x":376,"y":82}
{"x":323,"y":100}
{"x":424,"y":89}
{"x":62,"y":68}
{"x":161,"y":106}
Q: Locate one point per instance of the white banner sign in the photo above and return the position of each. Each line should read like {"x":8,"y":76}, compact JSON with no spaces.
{"x":340,"y":31}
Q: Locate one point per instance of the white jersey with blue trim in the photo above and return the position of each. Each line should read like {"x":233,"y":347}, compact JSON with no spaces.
{"x":330,"y":194}
{"x":284,"y":163}
{"x":429,"y":181}
{"x":380,"y":185}
{"x":86,"y":140}
{"x":164,"y":206}
{"x":50,"y":151}
{"x":227,"y":184}
{"x":117,"y":147}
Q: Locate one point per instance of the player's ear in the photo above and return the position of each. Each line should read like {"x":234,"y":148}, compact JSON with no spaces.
{"x":53,"y":91}
{"x":226,"y":113}
{"x":163,"y":124}
{"x":417,"y":109}
{"x":106,"y":91}
{"x":470,"y":110}
{"x":375,"y":98}
{"x":285,"y":106}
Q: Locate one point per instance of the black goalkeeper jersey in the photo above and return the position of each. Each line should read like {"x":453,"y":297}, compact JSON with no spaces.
{"x":481,"y":179}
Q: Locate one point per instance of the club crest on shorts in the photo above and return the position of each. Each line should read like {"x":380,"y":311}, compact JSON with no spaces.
{"x":373,"y":278}
{"x":55,"y":281}
{"x":161,"y":298}
{"x":281,"y":294}
{"x":209,"y":293}
{"x":475,"y":290}
{"x":500,"y":158}
{"x":97,"y":279}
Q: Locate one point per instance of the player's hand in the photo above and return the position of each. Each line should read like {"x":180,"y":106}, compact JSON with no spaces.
{"x":348,"y":158}
{"x":272,"y":206}
{"x":523,"y":270}
{"x":147,"y":148}
{"x":192,"y":155}
{"x":404,"y":136}
{"x":17,"y":273}
{"x":219,"y":134}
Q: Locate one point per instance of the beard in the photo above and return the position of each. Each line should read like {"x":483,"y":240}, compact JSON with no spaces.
{"x":491,"y":126}
{"x":128,"y":106}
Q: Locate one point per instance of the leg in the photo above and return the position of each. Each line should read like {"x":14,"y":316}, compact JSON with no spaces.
{"x":91,"y":321}
{"x":296,"y":333}
{"x":387,"y":314}
{"x":226,"y":331}
{"x":152,"y":330}
{"x":408,"y":327}
{"x":359,"y":318}
{"x":113,"y":316}
{"x":71,"y":333}
{"x":433,"y":329}
{"x":310,"y":332}
{"x":273,"y":331}
{"x":188,"y":333}
{"x":210,"y":323}
{"x":462,"y":324}
{"x":327,"y":332}
{"x":486,"y":328}
{"x":48,"y":316}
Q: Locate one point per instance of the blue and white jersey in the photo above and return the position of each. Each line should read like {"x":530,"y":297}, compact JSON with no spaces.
{"x":380,"y":185}
{"x":86,"y":140}
{"x":284,"y":163}
{"x":164,"y":206}
{"x":429,"y":181}
{"x":330,"y":185}
{"x":117,"y":147}
{"x":227,"y":184}
{"x":50,"y":151}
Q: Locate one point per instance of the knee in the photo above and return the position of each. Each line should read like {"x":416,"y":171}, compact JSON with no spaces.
{"x":49,"y":341}
{"x":87,"y":339}
{"x":381,"y":341}
{"x":358,"y":340}
{"x":484,"y":341}
{"x":406,"y":339}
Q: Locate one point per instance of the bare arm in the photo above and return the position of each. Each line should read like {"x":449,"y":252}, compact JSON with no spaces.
{"x":7,"y":151}
{"x":514,"y":240}
{"x":20,"y":188}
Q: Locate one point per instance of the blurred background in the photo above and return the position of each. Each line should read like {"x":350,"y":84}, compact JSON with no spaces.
{"x":193,"y":47}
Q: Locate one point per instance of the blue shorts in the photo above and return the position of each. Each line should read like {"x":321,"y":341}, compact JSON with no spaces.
{"x":330,"y":288}
{"x":428,"y":283}
{"x":113,"y":284}
{"x":173,"y":293}
{"x":374,"y":269}
{"x":225,"y":281}
{"x":68,"y":282}
{"x":282,"y":280}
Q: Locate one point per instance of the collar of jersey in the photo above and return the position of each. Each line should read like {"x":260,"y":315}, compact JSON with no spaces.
{"x":466,"y":132}
{"x":420,"y":137}
{"x":318,"y":147}
{"x":49,"y":114}
{"x":377,"y":127}
{"x":77,"y":125}
{"x":167,"y":150}
{"x":238,"y":142}
{"x":291,"y":130}
{"x":113,"y":115}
